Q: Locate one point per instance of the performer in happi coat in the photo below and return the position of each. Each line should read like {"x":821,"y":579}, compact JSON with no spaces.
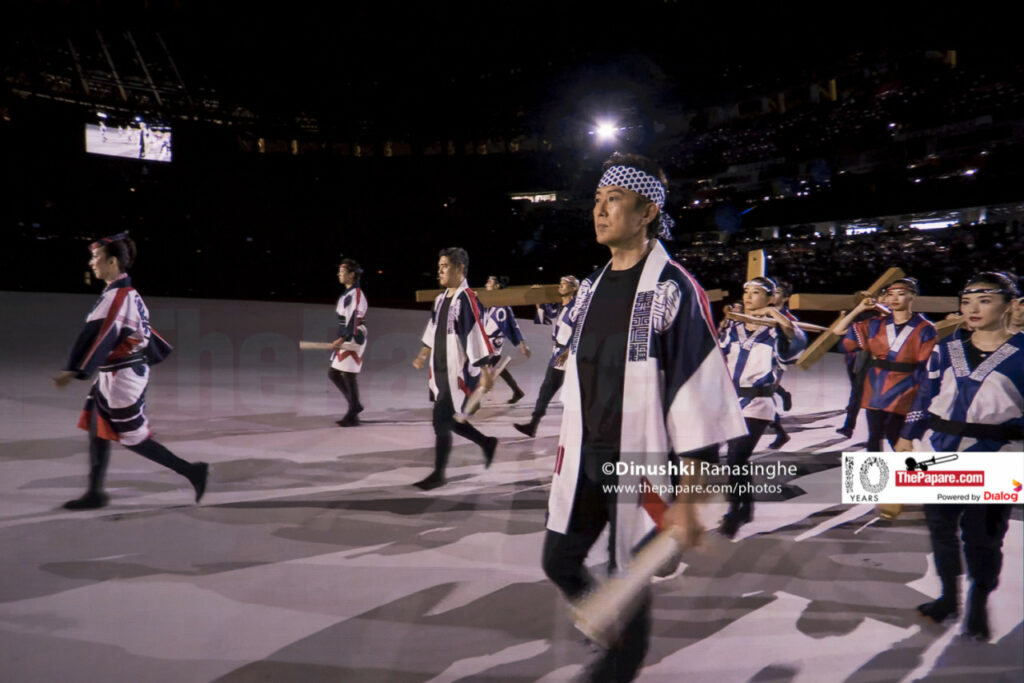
{"x":972,"y":400}
{"x":756,"y":356}
{"x":900,"y":342}
{"x":500,"y":324}
{"x":644,"y":386}
{"x":116,"y":349}
{"x":459,"y":354}
{"x":350,"y":346}
{"x":780,"y":300}
{"x":558,"y":316}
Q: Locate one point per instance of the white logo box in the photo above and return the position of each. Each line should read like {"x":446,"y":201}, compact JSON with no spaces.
{"x":923,"y":477}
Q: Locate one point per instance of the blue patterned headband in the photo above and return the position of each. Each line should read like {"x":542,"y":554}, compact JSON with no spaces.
{"x":645,"y":185}
{"x":1006,"y":284}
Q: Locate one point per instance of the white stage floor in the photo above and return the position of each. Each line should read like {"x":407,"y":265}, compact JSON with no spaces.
{"x":313,"y":559}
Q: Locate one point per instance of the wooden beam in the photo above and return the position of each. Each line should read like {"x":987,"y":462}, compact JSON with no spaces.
{"x":948,"y":326}
{"x":771,"y":322}
{"x":756,"y":264}
{"x":822,"y":302}
{"x":827,"y":339}
{"x":818,"y":348}
{"x":845,"y":302}
{"x":525,"y":295}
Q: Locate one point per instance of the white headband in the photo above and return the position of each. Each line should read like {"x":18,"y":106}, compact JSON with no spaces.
{"x":766,"y":286}
{"x":645,"y":185}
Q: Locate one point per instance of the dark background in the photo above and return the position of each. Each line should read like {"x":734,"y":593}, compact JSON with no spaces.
{"x":392,"y":130}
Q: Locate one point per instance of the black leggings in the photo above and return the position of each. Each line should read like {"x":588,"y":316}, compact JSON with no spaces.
{"x":740,"y":450}
{"x":510,"y":381}
{"x":349,"y":388}
{"x":99,"y":457}
{"x":982,"y":528}
{"x":553,"y":380}
{"x":883,"y":424}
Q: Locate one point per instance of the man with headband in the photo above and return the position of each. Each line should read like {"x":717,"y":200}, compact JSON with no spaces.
{"x":899,"y":342}
{"x":756,"y":356}
{"x":645,"y":387}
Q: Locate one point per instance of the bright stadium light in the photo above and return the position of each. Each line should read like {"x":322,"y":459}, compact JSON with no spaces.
{"x":606,"y":131}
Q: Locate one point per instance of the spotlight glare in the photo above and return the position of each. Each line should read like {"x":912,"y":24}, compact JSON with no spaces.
{"x":606,"y":131}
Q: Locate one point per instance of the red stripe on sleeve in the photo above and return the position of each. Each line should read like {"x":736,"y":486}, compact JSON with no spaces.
{"x":476,"y":314}
{"x":108,"y":322}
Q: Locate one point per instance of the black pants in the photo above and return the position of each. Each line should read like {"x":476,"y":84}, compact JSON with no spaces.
{"x":982,"y":528}
{"x":739,"y":452}
{"x":99,"y":457}
{"x":856,"y":388}
{"x":444,"y":424}
{"x":563,"y":562}
{"x":349,"y":388}
{"x":883,"y":424}
{"x":553,"y":380}
{"x":510,"y":381}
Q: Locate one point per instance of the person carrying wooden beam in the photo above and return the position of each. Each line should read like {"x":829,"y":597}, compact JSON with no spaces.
{"x":900,"y":342}
{"x":755,"y":356}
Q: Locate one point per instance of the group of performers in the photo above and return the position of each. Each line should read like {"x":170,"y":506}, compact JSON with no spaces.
{"x":645,"y":379}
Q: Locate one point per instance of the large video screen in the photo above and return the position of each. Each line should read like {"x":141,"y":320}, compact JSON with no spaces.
{"x":132,"y":139}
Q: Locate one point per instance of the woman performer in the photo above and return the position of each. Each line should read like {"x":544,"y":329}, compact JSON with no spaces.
{"x":350,"y":346}
{"x":971,"y":401}
{"x":755,"y":355}
{"x":119,"y":343}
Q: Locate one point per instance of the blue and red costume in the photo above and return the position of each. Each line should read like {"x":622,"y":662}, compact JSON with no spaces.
{"x":897,"y":366}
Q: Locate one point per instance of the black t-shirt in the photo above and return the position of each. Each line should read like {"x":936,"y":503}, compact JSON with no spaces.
{"x":975,"y":356}
{"x":441,"y":348}
{"x":601,"y":361}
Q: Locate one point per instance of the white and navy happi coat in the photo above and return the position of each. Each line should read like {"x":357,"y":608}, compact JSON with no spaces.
{"x":469,"y":347}
{"x":756,"y":361}
{"x":118,"y":342}
{"x":559,"y":317}
{"x":351,"y":328}
{"x":677,"y":396}
{"x":964,"y":408}
{"x":500,"y":324}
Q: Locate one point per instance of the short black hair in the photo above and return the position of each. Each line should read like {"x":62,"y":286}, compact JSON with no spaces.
{"x":458,"y":256}
{"x":648,"y":166}
{"x":501,"y":280}
{"x":123,"y":250}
